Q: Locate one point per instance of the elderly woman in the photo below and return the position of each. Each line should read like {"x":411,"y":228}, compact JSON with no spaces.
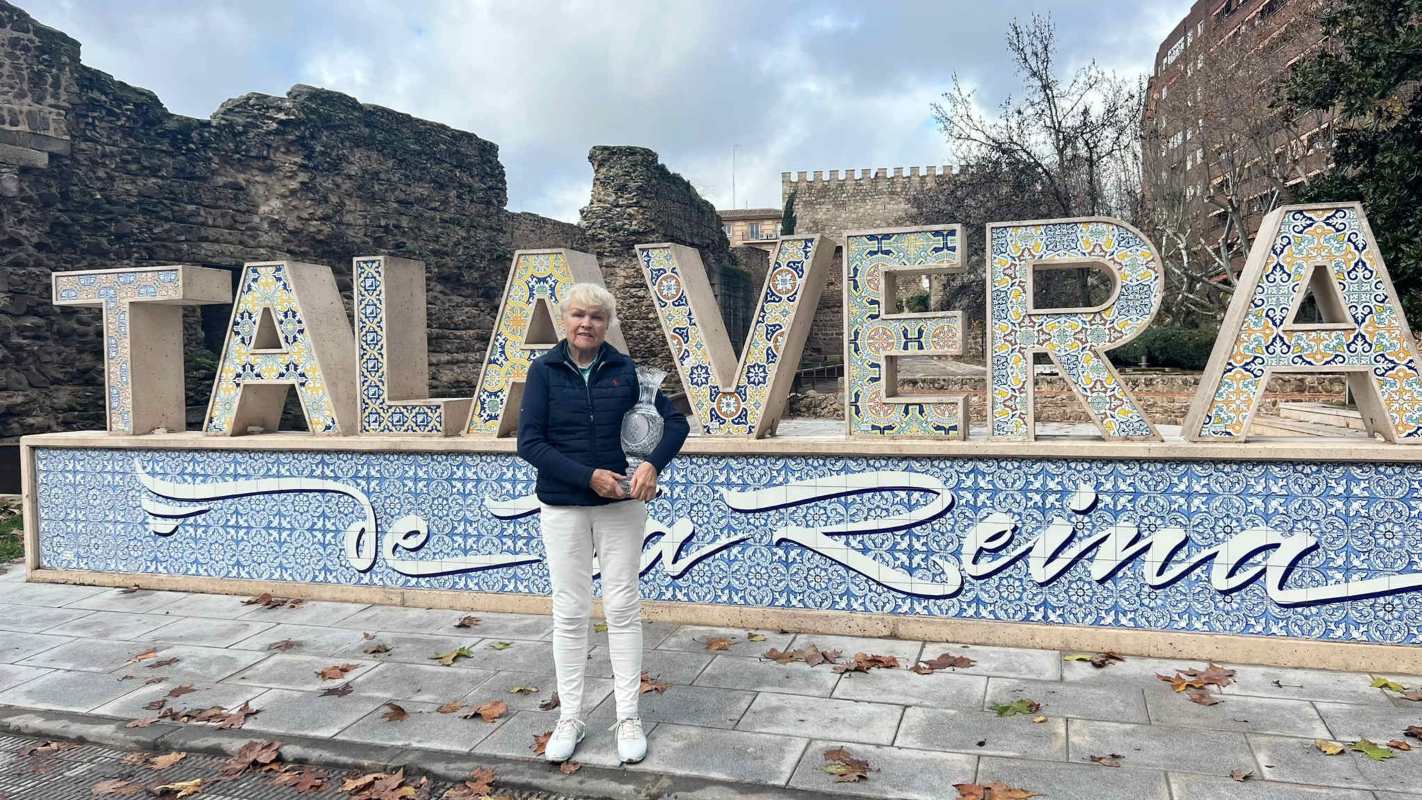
{"x":569,"y":429}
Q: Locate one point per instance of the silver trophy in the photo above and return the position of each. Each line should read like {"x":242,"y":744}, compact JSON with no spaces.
{"x":642,"y":425}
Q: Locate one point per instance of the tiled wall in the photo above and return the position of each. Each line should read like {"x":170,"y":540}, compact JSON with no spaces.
{"x":768,"y":528}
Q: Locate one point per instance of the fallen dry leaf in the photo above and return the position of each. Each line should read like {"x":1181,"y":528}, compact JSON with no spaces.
{"x":1202,"y":697}
{"x":366,"y":636}
{"x":337,"y":691}
{"x":523,"y":690}
{"x":1328,"y":748}
{"x":177,"y":791}
{"x":284,"y":645}
{"x":863,"y":662}
{"x":336,"y":672}
{"x":116,"y":786}
{"x":165,"y":761}
{"x":810,"y":655}
{"x":269,"y":601}
{"x":384,"y":786}
{"x":540,"y":742}
{"x":51,"y":746}
{"x":179,"y":691}
{"x":845,"y":767}
{"x":252,"y":755}
{"x":395,"y":713}
{"x":167,"y":662}
{"x":1398,"y":744}
{"x":715,"y":644}
{"x":500,"y":645}
{"x":991,"y":791}
{"x":134,"y":759}
{"x":1241,"y":775}
{"x":649,"y":684}
{"x":144,"y":656}
{"x":489,"y":711}
{"x":550,"y":704}
{"x":141,"y":723}
{"x":467,"y":622}
{"x":156,"y":705}
{"x":569,"y":767}
{"x":303,"y":779}
{"x":450,"y":707}
{"x":1021,"y":705}
{"x":1109,"y":760}
{"x":448,"y":659}
{"x":1413,"y":732}
{"x":1372,"y":750}
{"x":1415,"y":695}
{"x":128,"y":589}
{"x":943,"y":661}
{"x":1098,"y":660}
{"x":378,"y":648}
{"x":236,"y":719}
{"x":152,"y":681}
{"x":478,"y":786}
{"x":1387,"y":685}
{"x":1039,"y":719}
{"x":752,"y":636}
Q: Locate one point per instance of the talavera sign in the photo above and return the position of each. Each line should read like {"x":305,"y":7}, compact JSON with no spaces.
{"x":1183,"y":536}
{"x":289,"y":330}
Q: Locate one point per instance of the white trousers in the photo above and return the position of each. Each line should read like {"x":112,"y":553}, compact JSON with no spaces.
{"x":571,"y":534}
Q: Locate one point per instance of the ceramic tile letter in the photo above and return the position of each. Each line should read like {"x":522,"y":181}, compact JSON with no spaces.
{"x":728,"y":398}
{"x":143,"y":336}
{"x":1076,"y":339}
{"x":1329,"y":249}
{"x":877,"y":335}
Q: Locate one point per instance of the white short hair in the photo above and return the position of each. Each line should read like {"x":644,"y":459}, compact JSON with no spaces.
{"x":591,"y":295}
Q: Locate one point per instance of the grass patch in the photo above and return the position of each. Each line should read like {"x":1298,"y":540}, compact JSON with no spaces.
{"x":11,"y":547}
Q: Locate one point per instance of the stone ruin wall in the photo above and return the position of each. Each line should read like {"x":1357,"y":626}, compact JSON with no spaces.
{"x":95,"y":173}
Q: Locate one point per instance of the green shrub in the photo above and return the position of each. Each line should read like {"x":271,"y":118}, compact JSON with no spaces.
{"x":1177,"y":348}
{"x":914,"y":304}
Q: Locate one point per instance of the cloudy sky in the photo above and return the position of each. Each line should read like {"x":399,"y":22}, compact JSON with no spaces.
{"x":801,"y":85}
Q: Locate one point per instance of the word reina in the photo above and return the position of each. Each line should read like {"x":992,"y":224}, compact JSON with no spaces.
{"x":289,"y":330}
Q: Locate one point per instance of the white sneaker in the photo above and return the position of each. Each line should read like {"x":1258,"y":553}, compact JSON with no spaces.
{"x":566,"y":735}
{"x":631,"y":741}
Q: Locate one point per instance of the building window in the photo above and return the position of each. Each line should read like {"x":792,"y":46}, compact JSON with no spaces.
{"x":753,"y":230}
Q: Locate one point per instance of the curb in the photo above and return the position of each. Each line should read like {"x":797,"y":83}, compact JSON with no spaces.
{"x":588,"y":783}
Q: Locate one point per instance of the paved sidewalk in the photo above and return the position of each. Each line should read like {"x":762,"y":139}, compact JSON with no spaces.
{"x":727,"y":716}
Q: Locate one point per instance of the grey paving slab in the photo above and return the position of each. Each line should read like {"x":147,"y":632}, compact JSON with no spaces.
{"x":1288,"y":759}
{"x":211,"y":606}
{"x":204,"y":695}
{"x":89,"y":655}
{"x":1305,"y":684}
{"x":1064,"y":781}
{"x":900,"y":773}
{"x":683,"y":705}
{"x":45,"y":594}
{"x":308,"y":713}
{"x":1006,"y":662}
{"x":1159,"y":746}
{"x":1375,"y":722}
{"x":310,"y":612}
{"x":982,"y":733}
{"x":1235,"y":712}
{"x":423,"y":726}
{"x":797,"y":715}
{"x":520,"y":656}
{"x":208,"y":632}
{"x":298,"y":672}
{"x":1061,"y":699}
{"x":13,"y":675}
{"x":141,"y":601}
{"x":112,"y":625}
{"x":193,"y":663}
{"x":732,"y":672}
{"x":941,"y":689}
{"x":19,"y":646}
{"x":406,"y":620}
{"x":654,"y":633}
{"x":501,"y":626}
{"x":34,"y":619}
{"x":1395,"y":796}
{"x":1400,"y":774}
{"x":1185,"y":786}
{"x":721,"y":754}
{"x":693,"y":638}
{"x":906,"y":651}
{"x":409,"y":648}
{"x":305,"y":639}
{"x":665,"y":665}
{"x":434,"y":684}
{"x":514,"y":736}
{"x":500,"y":686}
{"x":69,"y":691}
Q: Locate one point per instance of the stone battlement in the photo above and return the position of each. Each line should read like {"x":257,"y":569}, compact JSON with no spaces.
{"x":871,"y":174}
